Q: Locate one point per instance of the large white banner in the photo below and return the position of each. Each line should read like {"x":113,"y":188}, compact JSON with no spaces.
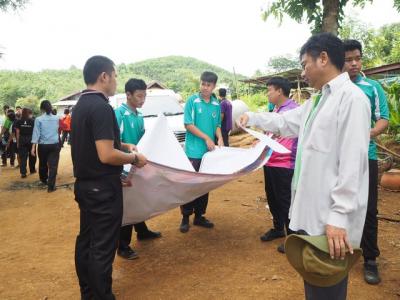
{"x":169,"y":180}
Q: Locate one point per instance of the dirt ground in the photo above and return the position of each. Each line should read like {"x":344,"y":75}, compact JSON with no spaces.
{"x":38,"y":231}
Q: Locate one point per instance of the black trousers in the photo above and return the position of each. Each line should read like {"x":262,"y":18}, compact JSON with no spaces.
{"x":100,"y":204}
{"x":10,"y":153}
{"x":198,"y":205}
{"x":125,"y":234}
{"x":49,"y":155}
{"x":278,"y":189}
{"x":24,"y":152}
{"x":335,"y":292}
{"x":65,"y":137}
{"x":369,"y":241}
{"x":225,"y":137}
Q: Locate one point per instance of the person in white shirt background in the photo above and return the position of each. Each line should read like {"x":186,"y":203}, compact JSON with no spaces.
{"x":330,"y":182}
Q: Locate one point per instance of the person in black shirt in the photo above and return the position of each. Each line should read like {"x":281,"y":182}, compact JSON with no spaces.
{"x":98,"y":157}
{"x":24,"y":130}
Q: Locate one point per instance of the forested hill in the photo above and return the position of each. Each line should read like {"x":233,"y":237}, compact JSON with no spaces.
{"x":176,"y":72}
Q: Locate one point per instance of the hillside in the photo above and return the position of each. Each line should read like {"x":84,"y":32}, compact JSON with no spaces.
{"x":178,"y":73}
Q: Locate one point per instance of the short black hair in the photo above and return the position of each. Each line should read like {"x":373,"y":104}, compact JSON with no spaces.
{"x":222,"y":92}
{"x":350,"y":45}
{"x":327,"y":42}
{"x":18,"y":107}
{"x":45,"y":105}
{"x":96,"y":65}
{"x":280,"y":83}
{"x":11,"y":115}
{"x":66,"y":111}
{"x":210,"y":77}
{"x":134,"y":84}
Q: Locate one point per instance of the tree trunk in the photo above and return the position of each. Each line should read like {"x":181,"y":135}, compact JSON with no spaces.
{"x":330,"y":17}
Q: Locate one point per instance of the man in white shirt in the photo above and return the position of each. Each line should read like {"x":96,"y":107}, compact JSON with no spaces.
{"x":330,"y":182}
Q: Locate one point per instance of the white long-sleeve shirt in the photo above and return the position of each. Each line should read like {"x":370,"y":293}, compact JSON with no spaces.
{"x":333,"y":179}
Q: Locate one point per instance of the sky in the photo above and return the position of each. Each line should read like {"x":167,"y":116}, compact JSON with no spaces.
{"x":56,"y":34}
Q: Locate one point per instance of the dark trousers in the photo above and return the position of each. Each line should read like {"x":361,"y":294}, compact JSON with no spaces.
{"x":11,"y":150}
{"x":100,"y":204}
{"x":369,"y":241}
{"x":198,"y":205}
{"x":49,"y":154}
{"x":278,"y":189}
{"x":125,"y":234}
{"x":65,"y":137}
{"x":24,"y":152}
{"x":336,"y":292}
{"x":225,"y":137}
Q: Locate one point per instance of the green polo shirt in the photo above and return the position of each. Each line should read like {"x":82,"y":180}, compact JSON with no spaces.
{"x":206,"y":117}
{"x":379,"y":106}
{"x":130,"y":123}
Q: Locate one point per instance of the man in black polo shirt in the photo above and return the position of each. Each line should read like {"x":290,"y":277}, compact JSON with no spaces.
{"x":98,"y":157}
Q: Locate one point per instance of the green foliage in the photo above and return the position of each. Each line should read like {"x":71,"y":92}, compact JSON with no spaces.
{"x":6,"y":5}
{"x":283,"y":63}
{"x":380,"y":46}
{"x":313,"y":11}
{"x":182,"y":74}
{"x":32,"y":102}
{"x":256,"y":102}
{"x":393,"y":93}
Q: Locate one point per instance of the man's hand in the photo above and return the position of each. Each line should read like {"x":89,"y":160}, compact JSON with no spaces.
{"x":221,"y":142}
{"x":210,"y":144}
{"x":337,"y":241}
{"x":243,"y":120}
{"x":373,"y":133}
{"x":141,"y":160}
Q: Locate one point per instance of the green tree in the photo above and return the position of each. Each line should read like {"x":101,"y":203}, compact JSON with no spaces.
{"x":31,"y":102}
{"x":283,"y":63}
{"x":323,"y":16}
{"x":6,"y":5}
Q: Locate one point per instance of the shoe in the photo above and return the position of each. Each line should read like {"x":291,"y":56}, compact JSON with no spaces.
{"x":281,"y":248}
{"x":23,"y":176}
{"x":51,"y":189}
{"x":203,"y":222}
{"x":371,"y":274}
{"x":127,"y":253}
{"x":272,"y":234}
{"x":33,"y":172}
{"x":4,"y":165}
{"x":43,"y":182}
{"x":184,"y":227}
{"x":148,"y":235}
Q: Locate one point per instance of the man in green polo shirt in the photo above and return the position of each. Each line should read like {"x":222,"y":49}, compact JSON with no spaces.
{"x":379,"y":123}
{"x":131,"y":126}
{"x":202,"y":120}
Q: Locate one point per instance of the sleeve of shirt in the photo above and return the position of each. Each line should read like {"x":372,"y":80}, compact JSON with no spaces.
{"x":188,"y":116}
{"x":286,"y":124}
{"x":219,"y":117}
{"x":223,"y":107}
{"x":382,"y":110}
{"x":36,"y":131}
{"x":354,"y":116}
{"x":17,"y":124}
{"x":102,"y":123}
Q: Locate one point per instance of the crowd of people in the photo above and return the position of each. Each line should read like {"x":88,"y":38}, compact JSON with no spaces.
{"x":323,"y":194}
{"x":24,"y":138}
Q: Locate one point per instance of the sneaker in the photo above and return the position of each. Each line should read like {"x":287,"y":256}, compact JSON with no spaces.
{"x":127,"y":253}
{"x":148,"y":235}
{"x":371,"y":274}
{"x":184,"y":227}
{"x":203,"y":222}
{"x":23,"y":175}
{"x":272,"y":234}
{"x":32,"y":172}
{"x":281,"y":248}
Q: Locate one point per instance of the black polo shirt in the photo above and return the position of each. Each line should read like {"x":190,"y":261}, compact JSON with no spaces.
{"x":92,"y":119}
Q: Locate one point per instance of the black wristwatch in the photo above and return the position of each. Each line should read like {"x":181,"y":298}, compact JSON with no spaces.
{"x":136,"y":160}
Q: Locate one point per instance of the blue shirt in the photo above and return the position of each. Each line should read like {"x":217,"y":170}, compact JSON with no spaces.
{"x":45,"y":130}
{"x":206,"y":116}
